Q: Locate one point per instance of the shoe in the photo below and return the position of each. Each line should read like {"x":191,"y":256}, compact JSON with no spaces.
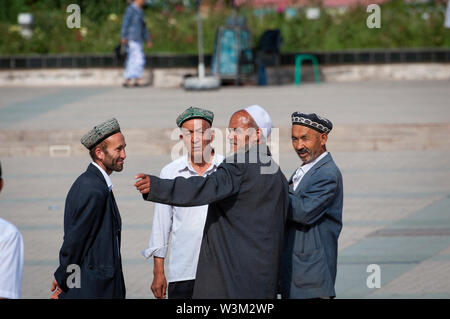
{"x":127,"y":84}
{"x":138,"y":83}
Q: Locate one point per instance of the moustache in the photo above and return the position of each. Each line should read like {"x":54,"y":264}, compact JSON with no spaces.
{"x":303,"y":151}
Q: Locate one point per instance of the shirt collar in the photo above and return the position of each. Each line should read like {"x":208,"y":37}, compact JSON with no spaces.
{"x":305,"y":168}
{"x":106,"y":176}
{"x":186,"y":164}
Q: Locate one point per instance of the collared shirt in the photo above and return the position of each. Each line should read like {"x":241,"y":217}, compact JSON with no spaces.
{"x":302,"y":170}
{"x":11,"y":261}
{"x":110,"y":186}
{"x":185,"y":223}
{"x":105,"y":175}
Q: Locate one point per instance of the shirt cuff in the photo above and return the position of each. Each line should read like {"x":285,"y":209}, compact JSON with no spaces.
{"x":156,"y":252}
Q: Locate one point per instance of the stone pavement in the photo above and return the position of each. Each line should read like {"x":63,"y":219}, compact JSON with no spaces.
{"x":396,"y":205}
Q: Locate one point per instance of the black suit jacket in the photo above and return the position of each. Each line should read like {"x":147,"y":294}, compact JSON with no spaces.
{"x":92,"y":227}
{"x":242,"y":241}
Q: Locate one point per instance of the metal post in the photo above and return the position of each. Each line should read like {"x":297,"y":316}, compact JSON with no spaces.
{"x":201,"y":62}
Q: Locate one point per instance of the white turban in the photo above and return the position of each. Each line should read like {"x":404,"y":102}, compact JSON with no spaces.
{"x":262,"y":119}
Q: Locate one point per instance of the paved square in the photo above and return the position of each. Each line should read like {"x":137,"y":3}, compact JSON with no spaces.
{"x":402,"y":188}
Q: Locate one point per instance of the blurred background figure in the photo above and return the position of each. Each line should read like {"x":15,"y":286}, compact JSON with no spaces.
{"x":447,"y":16}
{"x":134,"y":33}
{"x":11,"y":258}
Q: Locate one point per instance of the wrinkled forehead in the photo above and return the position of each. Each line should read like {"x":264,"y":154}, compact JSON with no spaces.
{"x":300,"y":130}
{"x":194,"y":124}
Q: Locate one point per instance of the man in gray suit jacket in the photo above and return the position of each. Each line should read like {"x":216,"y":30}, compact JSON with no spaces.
{"x":315,"y":214}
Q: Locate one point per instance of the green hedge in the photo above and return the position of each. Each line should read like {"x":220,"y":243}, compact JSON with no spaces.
{"x":174,"y":27}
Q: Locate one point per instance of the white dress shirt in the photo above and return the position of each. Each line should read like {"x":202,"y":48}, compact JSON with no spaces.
{"x":110,"y":186}
{"x":105,"y":175}
{"x":185,"y":223}
{"x":302,"y":170}
{"x":11,"y":261}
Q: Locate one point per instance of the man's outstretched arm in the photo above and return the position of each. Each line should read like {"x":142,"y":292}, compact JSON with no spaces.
{"x":193,"y":191}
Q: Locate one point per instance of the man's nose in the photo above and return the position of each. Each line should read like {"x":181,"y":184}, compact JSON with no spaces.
{"x":298,"y":145}
{"x":196,"y":138}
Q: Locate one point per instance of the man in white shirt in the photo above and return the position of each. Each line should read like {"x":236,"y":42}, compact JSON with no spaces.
{"x":185,"y":223}
{"x":11,"y":258}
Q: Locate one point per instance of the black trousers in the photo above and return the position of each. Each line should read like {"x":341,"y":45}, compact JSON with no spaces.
{"x":180,"y":289}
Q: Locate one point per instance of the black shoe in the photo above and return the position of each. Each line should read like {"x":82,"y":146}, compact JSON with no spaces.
{"x":127,"y":84}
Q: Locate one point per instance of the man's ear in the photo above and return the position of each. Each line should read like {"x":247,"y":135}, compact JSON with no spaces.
{"x":324,"y":138}
{"x":99,"y":153}
{"x":212,"y":134}
{"x":260,"y":135}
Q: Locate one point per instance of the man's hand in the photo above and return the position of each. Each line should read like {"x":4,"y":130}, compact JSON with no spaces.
{"x":123,"y":41}
{"x":143,"y":184}
{"x":149,"y":44}
{"x":159,"y":285}
{"x":55,"y":289}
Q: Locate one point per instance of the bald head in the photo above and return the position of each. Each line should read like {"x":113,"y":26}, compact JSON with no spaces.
{"x":243,"y":119}
{"x":243,"y":130}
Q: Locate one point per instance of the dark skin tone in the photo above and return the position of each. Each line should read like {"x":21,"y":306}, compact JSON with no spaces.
{"x":308,"y":143}
{"x":110,"y":156}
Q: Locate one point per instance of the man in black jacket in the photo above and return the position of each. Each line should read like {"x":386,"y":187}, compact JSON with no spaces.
{"x":248,"y":201}
{"x":90,"y":261}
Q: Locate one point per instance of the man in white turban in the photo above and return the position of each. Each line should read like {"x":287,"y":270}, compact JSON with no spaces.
{"x":240,"y":254}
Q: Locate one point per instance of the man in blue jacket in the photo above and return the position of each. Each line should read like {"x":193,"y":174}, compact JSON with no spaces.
{"x":134,"y":33}
{"x":315,"y":213}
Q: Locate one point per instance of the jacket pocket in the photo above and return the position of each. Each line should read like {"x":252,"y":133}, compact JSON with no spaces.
{"x":105,"y":272}
{"x":310,"y":269}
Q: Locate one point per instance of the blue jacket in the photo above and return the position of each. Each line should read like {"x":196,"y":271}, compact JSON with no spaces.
{"x":133,"y":25}
{"x":92,"y":231}
{"x":314,"y":223}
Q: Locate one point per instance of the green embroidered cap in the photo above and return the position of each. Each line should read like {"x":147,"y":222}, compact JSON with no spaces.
{"x":195,"y":113}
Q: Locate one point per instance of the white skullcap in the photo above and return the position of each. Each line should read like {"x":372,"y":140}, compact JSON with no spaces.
{"x":262,"y":118}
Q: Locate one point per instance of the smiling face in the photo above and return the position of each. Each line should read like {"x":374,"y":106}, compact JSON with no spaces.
{"x":197,"y":136}
{"x":111,"y":153}
{"x":243,"y":131}
{"x":308,"y":143}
